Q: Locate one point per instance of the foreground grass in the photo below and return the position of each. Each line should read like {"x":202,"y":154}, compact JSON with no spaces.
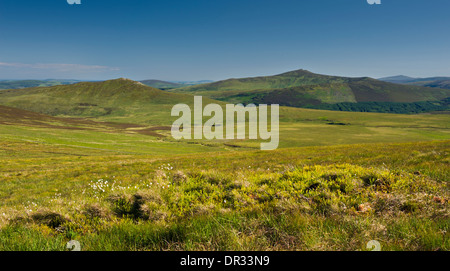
{"x":321,"y":198}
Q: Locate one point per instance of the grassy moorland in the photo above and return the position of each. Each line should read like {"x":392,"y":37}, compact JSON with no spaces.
{"x":298,"y":128}
{"x":312,"y":198}
{"x":93,"y":163}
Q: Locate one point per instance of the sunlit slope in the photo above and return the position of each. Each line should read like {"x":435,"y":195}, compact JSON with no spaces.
{"x":120,"y":100}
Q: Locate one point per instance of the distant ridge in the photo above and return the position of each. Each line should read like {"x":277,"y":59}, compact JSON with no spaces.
{"x":170,"y":85}
{"x":161,"y":84}
{"x":398,"y":79}
{"x":18,"y":84}
{"x":434,"y":82}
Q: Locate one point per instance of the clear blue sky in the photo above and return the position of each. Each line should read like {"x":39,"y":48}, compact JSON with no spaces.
{"x":220,"y":39}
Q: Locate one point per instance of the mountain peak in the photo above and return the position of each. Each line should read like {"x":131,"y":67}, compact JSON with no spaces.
{"x":298,"y":72}
{"x":125,"y":80}
{"x":398,"y":79}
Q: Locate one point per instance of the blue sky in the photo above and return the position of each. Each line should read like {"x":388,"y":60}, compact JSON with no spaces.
{"x":220,"y":39}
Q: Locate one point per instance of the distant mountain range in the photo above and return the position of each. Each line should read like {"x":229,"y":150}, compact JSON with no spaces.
{"x":302,"y":88}
{"x":120,"y":99}
{"x":172,"y":84}
{"x":193,"y":82}
{"x":17,"y":84}
{"x":434,"y":82}
{"x":161,"y":84}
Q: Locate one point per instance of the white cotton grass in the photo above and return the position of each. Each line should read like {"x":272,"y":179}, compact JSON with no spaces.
{"x":103,"y":187}
{"x":165,"y":167}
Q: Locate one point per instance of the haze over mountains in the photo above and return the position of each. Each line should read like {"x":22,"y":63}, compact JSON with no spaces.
{"x":29,"y":83}
{"x":161,"y":84}
{"x":17,"y":84}
{"x":435,"y":82}
{"x":172,"y":84}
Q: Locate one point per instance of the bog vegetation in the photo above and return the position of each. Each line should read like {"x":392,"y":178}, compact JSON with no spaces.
{"x":326,"y":198}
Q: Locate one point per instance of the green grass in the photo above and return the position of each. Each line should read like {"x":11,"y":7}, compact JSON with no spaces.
{"x":316,"y":198}
{"x":105,"y":142}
